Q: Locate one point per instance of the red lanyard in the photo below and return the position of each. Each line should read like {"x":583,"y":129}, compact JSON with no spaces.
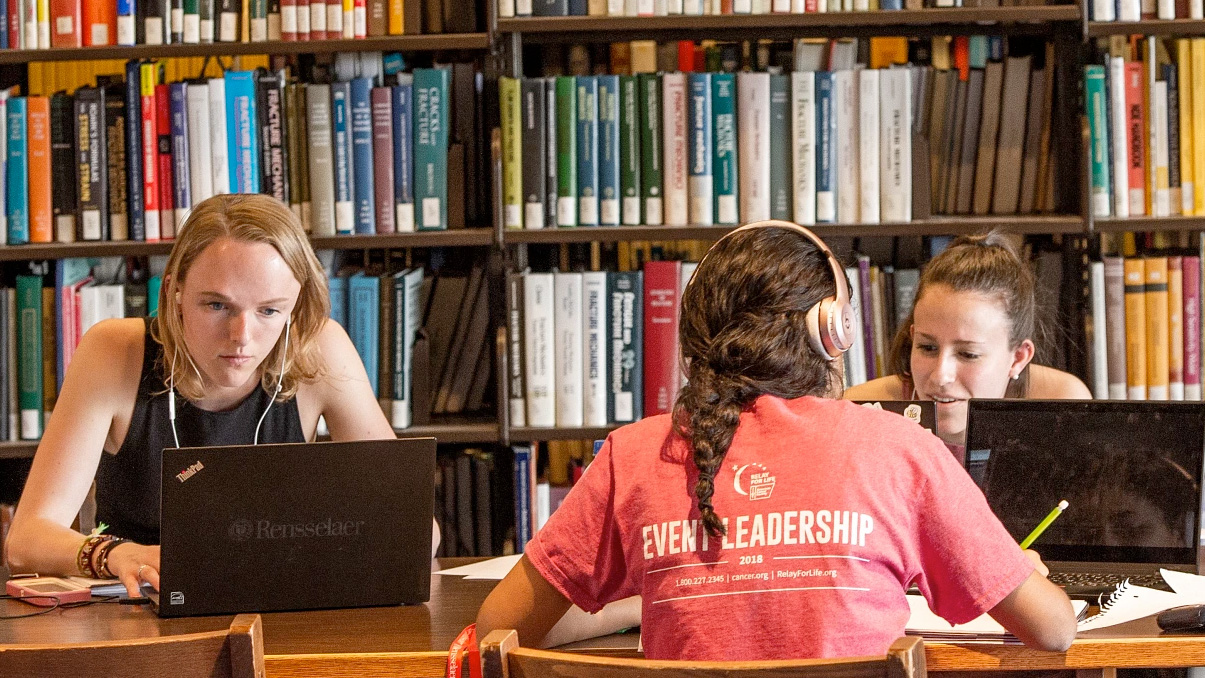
{"x":464,"y":649}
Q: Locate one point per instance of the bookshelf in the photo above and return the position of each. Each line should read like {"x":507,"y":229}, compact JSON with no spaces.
{"x":1162,"y":28}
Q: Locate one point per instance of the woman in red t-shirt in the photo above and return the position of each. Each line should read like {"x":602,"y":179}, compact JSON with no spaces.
{"x":763,"y":519}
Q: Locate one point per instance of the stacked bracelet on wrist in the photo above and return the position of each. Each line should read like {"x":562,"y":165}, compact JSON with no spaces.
{"x":83,"y":559}
{"x":102,"y":557}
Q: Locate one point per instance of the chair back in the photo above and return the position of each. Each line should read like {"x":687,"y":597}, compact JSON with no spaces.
{"x":237,"y":652}
{"x":501,"y":657}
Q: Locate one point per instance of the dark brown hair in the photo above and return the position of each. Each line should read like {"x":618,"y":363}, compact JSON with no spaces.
{"x":743,"y":333}
{"x":987,"y":264}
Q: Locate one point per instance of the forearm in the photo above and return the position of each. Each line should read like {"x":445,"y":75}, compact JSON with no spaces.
{"x":42,"y":546}
{"x":577,"y":624}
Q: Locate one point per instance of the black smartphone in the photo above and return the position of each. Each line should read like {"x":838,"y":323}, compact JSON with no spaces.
{"x":1183,"y":618}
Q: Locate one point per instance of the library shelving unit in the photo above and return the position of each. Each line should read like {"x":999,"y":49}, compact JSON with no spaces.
{"x":1160,"y":27}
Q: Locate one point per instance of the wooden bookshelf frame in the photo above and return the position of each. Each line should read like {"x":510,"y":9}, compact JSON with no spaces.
{"x":1155,"y":27}
{"x":392,"y":43}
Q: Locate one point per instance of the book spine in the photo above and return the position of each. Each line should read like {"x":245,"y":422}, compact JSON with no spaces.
{"x":586,"y":119}
{"x":523,"y":490}
{"x":895,"y":144}
{"x":200,"y":169}
{"x":539,"y":339}
{"x":134,"y":208}
{"x":781,"y":184}
{"x":517,"y":392}
{"x":1137,"y":143}
{"x":341,"y":148}
{"x":651,"y":141}
{"x":167,"y":167}
{"x":532,"y":134}
{"x":431,"y":147}
{"x":1175,"y":328}
{"x":803,"y":137}
{"x":1174,"y":176}
{"x":228,"y":20}
{"x":272,"y":141}
{"x":92,"y":160}
{"x":552,"y":176}
{"x":675,"y":187}
{"x":408,"y":321}
{"x":869,"y":89}
{"x":608,"y":151}
{"x":321,"y":168}
{"x":1135,"y":329}
{"x":382,"y":159}
{"x":150,"y":152}
{"x":594,"y":361}
{"x":1191,"y":296}
{"x":288,"y":20}
{"x":701,"y":151}
{"x":1187,"y":160}
{"x":65,"y":21}
{"x":724,"y":164}
{"x":567,"y":147}
{"x":318,"y":12}
{"x":1094,"y":94}
{"x":753,"y":137}
{"x":625,"y":322}
{"x":1099,"y":331}
{"x":41,"y":212}
{"x":4,"y":96}
{"x":18,"y":173}
{"x":1197,"y":52}
{"x":243,"y":142}
{"x":62,"y":160}
{"x":191,"y":31}
{"x":127,"y":22}
{"x":567,"y":321}
{"x":826,"y":189}
{"x":1115,"y":326}
{"x":361,"y":138}
{"x":403,"y":154}
{"x":1157,"y":359}
{"x":1119,"y":130}
{"x":662,"y":283}
{"x":1159,"y":151}
{"x":363,"y":318}
{"x":514,"y":146}
{"x":29,"y":355}
{"x":181,"y":171}
{"x":629,"y":149}
{"x":303,"y":31}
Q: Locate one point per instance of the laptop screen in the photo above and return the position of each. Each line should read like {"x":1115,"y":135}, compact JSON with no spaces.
{"x":1130,"y":471}
{"x":923,"y":412}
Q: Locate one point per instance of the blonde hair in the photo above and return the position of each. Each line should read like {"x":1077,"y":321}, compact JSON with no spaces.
{"x":253,"y":219}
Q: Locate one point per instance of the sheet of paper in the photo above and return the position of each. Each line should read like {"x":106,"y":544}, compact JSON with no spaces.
{"x":1131,"y":602}
{"x":1190,"y":587}
{"x":493,"y":569}
{"x":923,"y":621}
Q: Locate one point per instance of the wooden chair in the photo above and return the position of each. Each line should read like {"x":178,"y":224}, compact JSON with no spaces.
{"x":501,"y":657}
{"x":237,"y":652}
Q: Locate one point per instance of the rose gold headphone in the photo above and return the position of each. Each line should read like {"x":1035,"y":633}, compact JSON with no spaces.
{"x":831,"y":321}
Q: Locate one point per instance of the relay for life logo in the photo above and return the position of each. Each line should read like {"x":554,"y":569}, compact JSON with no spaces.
{"x":753,"y":480}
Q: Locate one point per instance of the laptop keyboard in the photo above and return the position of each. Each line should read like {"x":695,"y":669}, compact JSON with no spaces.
{"x":1100,"y":580}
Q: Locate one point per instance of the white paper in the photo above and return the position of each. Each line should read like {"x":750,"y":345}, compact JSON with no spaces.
{"x":922,"y":621}
{"x":493,"y":569}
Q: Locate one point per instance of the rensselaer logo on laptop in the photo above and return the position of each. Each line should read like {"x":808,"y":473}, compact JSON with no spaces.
{"x":244,"y":530}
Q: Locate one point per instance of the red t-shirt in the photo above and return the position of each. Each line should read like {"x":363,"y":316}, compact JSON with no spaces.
{"x":832,"y":510}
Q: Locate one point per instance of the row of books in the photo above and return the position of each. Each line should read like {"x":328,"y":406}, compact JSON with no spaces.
{"x":542,"y":480}
{"x":131,"y":158}
{"x":521,"y":8}
{"x":1139,"y":10}
{"x":1146,"y":113}
{"x":1145,"y":327}
{"x":882,"y":297}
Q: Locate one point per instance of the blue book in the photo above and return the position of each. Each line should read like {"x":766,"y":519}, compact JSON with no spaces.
{"x":578,"y":8}
{"x":431,"y":147}
{"x":625,"y":350}
{"x":338,"y":292}
{"x":724,"y":177}
{"x":66,"y":272}
{"x":153,"y":285}
{"x":891,"y":4}
{"x":364,"y":320}
{"x":135,"y":200}
{"x":345,"y":215}
{"x":826,"y":150}
{"x":4,"y":23}
{"x":403,"y":152}
{"x":181,"y":172}
{"x":608,"y":150}
{"x":361,"y":149}
{"x":587,"y":150}
{"x":699,"y":151}
{"x":523,"y":489}
{"x":781,"y":185}
{"x":243,"y":141}
{"x":17,"y":183}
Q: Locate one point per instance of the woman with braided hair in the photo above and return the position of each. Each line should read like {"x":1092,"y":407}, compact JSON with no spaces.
{"x":765,"y":518}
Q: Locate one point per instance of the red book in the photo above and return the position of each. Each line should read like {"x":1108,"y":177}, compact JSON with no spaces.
{"x":163,"y":125}
{"x":14,"y":24}
{"x":382,"y":158}
{"x":359,"y":19}
{"x":41,"y":212}
{"x":662,"y":282}
{"x":288,"y":20}
{"x":1136,"y":143}
{"x":150,"y":151}
{"x":962,"y":57}
{"x":686,"y":56}
{"x":99,"y":20}
{"x":1191,"y":267}
{"x":65,"y":24}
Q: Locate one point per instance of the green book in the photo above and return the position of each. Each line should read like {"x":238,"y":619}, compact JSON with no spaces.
{"x":1094,"y":96}
{"x":780,"y":153}
{"x":431,"y":147}
{"x":723,"y":112}
{"x":512,"y":150}
{"x":29,"y":355}
{"x":566,"y":150}
{"x":650,"y":146}
{"x":629,"y":149}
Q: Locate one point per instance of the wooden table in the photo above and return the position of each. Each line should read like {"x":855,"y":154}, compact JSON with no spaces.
{"x":412,"y":641}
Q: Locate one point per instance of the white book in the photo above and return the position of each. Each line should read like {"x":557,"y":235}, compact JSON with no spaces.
{"x":761,"y":6}
{"x":1159,"y":151}
{"x":675,"y":191}
{"x":1166,"y":9}
{"x":539,"y":337}
{"x":401,"y":407}
{"x":798,"y":6}
{"x":1152,"y":141}
{"x":30,"y":14}
{"x":845,"y":109}
{"x":753,"y":144}
{"x":895,"y":145}
{"x":803,"y":144}
{"x":614,"y":8}
{"x":645,"y":8}
{"x":594,"y":348}
{"x":200,"y":158}
{"x":1129,"y":10}
{"x":869,"y":84}
{"x":694,"y":7}
{"x":217,"y":135}
{"x":334,"y":18}
{"x":742,"y":6}
{"x":317,"y":21}
{"x":659,"y":7}
{"x":855,"y":357}
{"x":349,"y":24}
{"x":1103,"y":10}
{"x":543,"y":503}
{"x":780,"y":6}
{"x":1119,"y":124}
{"x":631,"y":7}
{"x":1100,"y":344}
{"x":1196,"y":9}
{"x":688,"y":272}
{"x":567,"y":348}
{"x":673,"y":6}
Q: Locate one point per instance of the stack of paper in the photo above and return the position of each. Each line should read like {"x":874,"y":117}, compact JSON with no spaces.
{"x":1131,"y":602}
{"x":493,"y":569}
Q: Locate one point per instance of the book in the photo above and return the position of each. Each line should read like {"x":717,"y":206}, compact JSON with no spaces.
{"x":41,"y":211}
{"x":321,"y":162}
{"x":780,"y":187}
{"x":92,"y":162}
{"x":586,"y":155}
{"x":200,"y":141}
{"x":608,"y":151}
{"x":362,"y":159}
{"x":220,"y":143}
{"x":431,"y":147}
{"x":167,"y":166}
{"x":753,"y":148}
{"x":382,"y":157}
{"x":29,"y":355}
{"x":531,"y":108}
{"x":803,"y":136}
{"x":363,"y":318}
{"x":539,"y":337}
{"x":594,"y":351}
{"x":869,"y":108}
{"x":344,"y":174}
{"x":662,"y":284}
{"x":567,"y":149}
{"x":725,"y":182}
{"x":182,"y":199}
{"x":625,"y":353}
{"x":895,"y":145}
{"x":513,"y":112}
{"x":629,"y":150}
{"x":1115,"y":326}
{"x":675,"y":187}
{"x":651,"y":141}
{"x":568,"y":348}
{"x":64,"y":166}
{"x":825,"y":176}
{"x":271,"y":127}
{"x":516,"y":391}
{"x":243,"y":142}
{"x":403,"y":153}
{"x":1175,"y":328}
{"x":17,"y":182}
{"x":1135,"y":329}
{"x":1157,"y":345}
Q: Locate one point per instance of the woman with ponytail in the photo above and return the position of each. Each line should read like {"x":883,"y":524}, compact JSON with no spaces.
{"x":971,"y":334}
{"x":765,"y":518}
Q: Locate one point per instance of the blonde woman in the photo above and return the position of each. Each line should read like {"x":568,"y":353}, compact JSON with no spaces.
{"x":242,"y":351}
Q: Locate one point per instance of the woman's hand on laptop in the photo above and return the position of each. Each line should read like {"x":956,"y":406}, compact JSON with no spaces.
{"x":134,"y":564}
{"x":1037,"y":562}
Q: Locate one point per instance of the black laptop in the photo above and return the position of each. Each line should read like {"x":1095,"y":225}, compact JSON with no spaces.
{"x":1131,"y":472}
{"x":923,"y":412}
{"x":296,"y":526}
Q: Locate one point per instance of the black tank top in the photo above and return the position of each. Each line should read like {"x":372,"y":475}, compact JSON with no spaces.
{"x":128,"y":483}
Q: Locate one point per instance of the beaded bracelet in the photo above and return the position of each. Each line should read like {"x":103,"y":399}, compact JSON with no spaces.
{"x":83,"y":559}
{"x":102,"y":557}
